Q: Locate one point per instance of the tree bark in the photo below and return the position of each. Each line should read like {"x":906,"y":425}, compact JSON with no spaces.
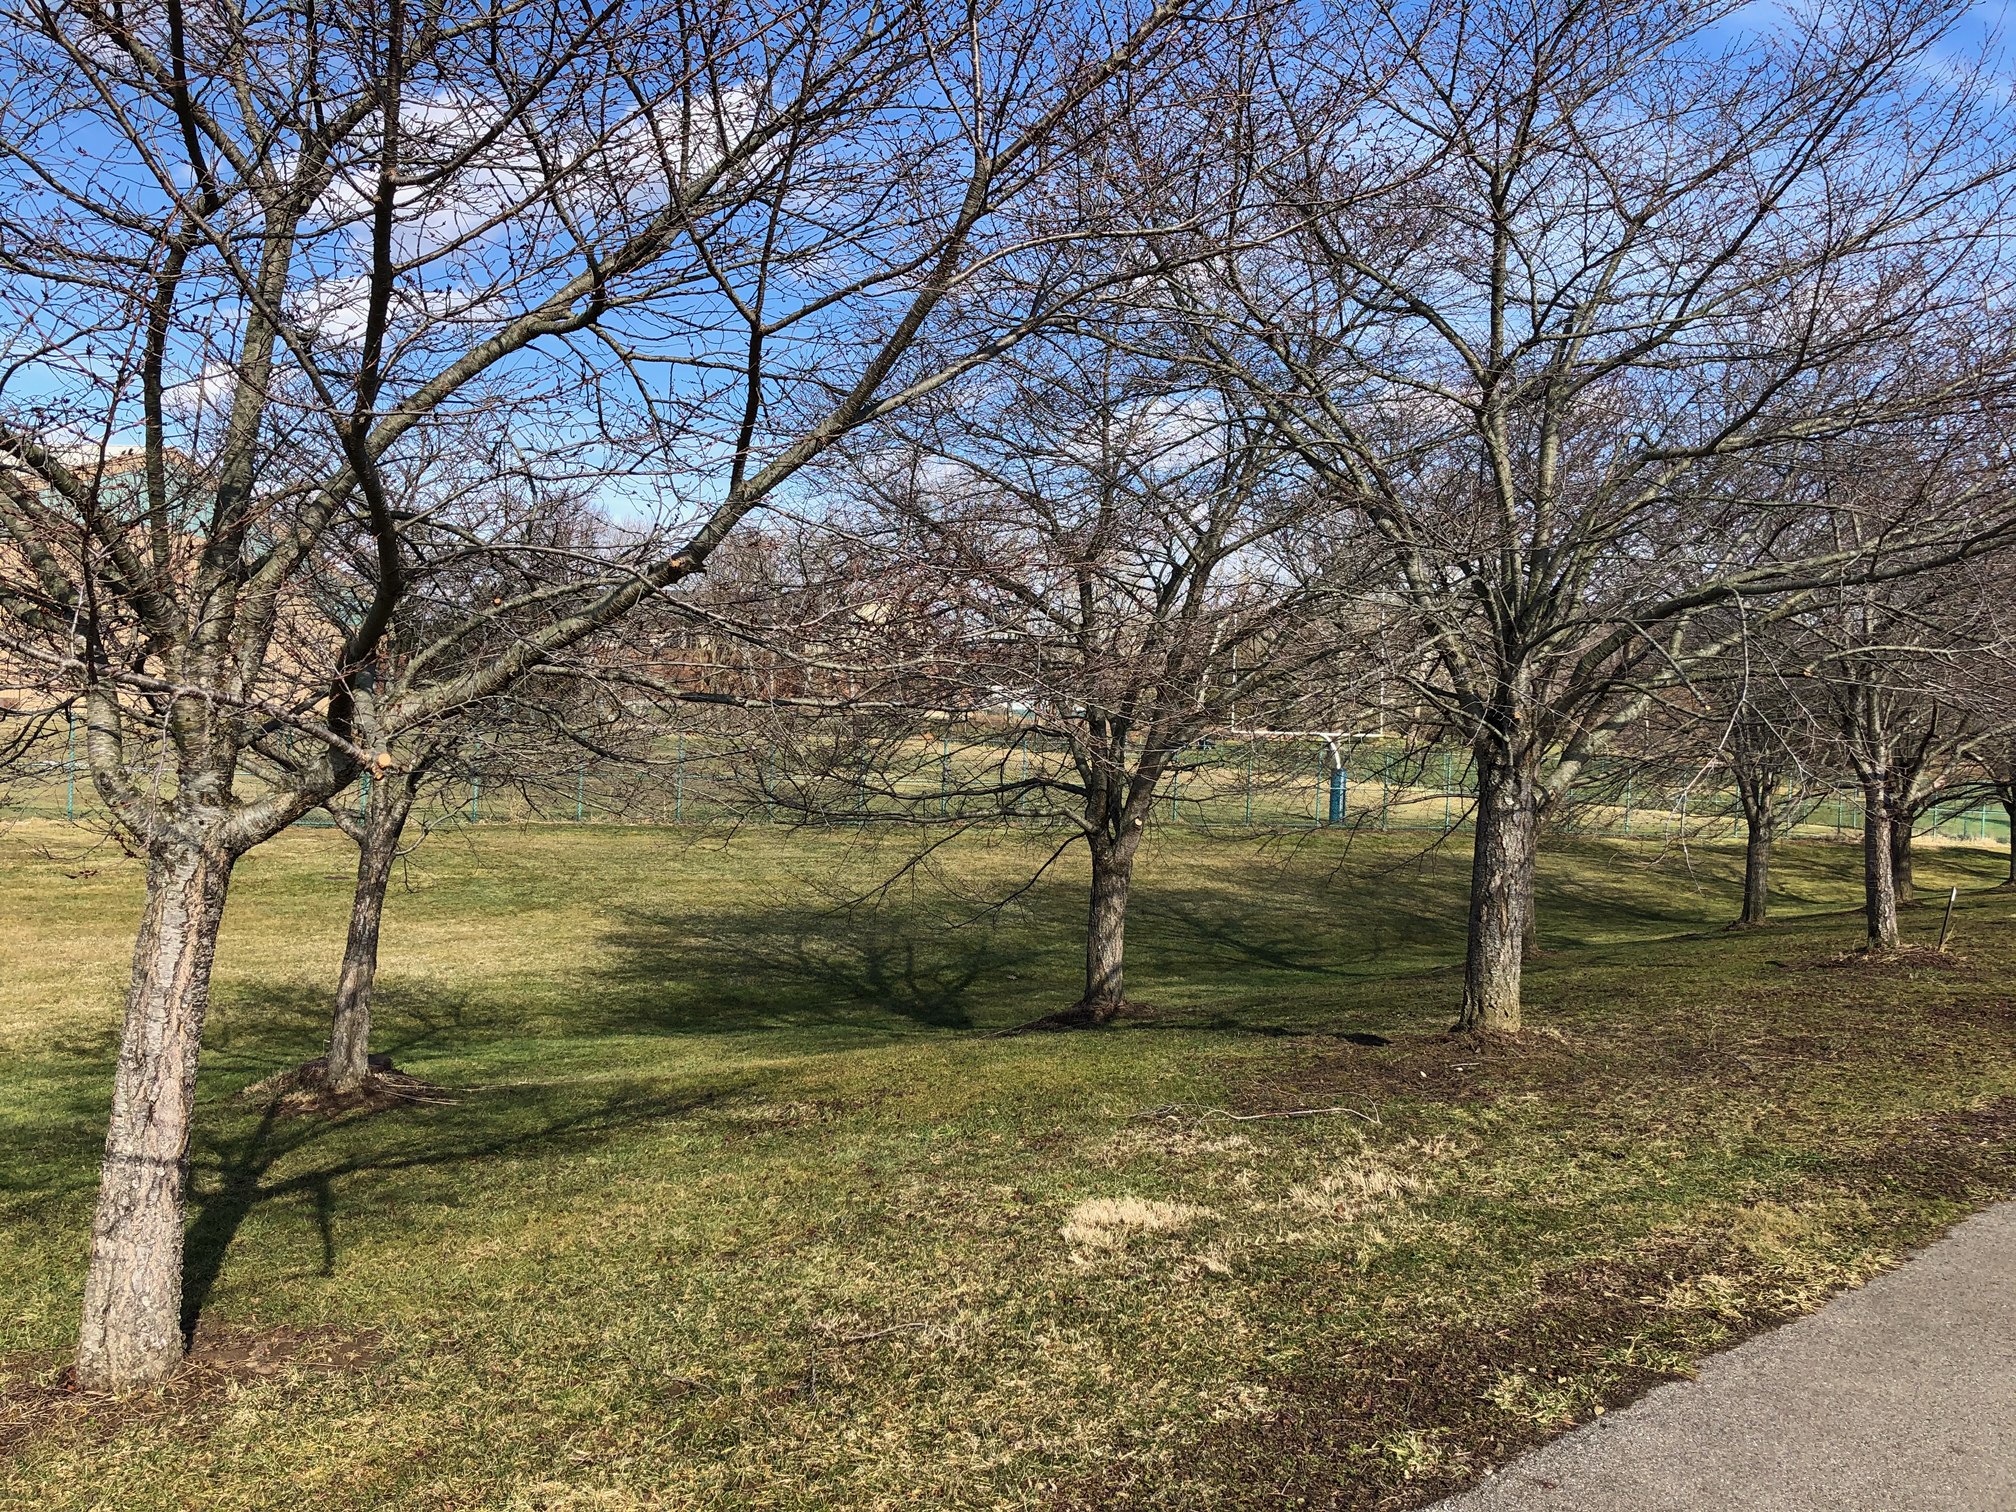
{"x":1755,"y":788}
{"x":132,"y":1332}
{"x":1900,"y":860}
{"x":1501,"y":895}
{"x":1106,"y":927}
{"x":1757,"y":874}
{"x":348,"y":1062}
{"x":1878,"y":879}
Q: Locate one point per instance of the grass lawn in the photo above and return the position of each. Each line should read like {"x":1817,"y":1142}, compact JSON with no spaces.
{"x":731,"y":1203}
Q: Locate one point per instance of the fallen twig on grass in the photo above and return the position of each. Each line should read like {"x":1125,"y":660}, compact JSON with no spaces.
{"x":1178,"y":1110}
{"x":1287,"y":1113}
{"x":414,"y":1097}
{"x":809,"y":1383}
{"x":880,"y":1333}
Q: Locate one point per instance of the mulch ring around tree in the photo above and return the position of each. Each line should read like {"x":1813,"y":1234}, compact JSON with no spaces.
{"x":304,"y":1092}
{"x":1904,"y":960}
{"x":39,"y":1394}
{"x":1433,"y":1067}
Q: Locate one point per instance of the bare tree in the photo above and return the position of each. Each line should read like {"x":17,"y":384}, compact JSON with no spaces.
{"x":2000,"y":766}
{"x":1885,"y":671}
{"x":1774,"y":787}
{"x":481,"y":540}
{"x":1113,"y":573}
{"x":1742,"y":719}
{"x":1560,"y":312}
{"x":536,"y":737}
{"x":1929,"y":772}
{"x":1064,"y":579}
{"x":1964,"y":706}
{"x":254,"y":261}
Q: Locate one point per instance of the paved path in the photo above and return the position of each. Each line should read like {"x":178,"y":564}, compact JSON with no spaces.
{"x":1900,"y":1397}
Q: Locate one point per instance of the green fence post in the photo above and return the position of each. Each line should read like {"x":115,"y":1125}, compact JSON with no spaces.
{"x":1175,"y":788}
{"x":70,"y":765}
{"x":944,"y":773}
{"x":679,"y":780}
{"x":1385,"y":790}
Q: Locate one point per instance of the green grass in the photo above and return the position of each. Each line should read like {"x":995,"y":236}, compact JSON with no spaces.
{"x":735,"y":1206}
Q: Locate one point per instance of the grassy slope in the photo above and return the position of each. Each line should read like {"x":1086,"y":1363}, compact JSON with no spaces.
{"x":710,"y":1137}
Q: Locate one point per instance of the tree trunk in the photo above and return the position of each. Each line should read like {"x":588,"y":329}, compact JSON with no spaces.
{"x":1878,"y":879}
{"x":348,"y":1062}
{"x":1106,"y":928}
{"x":132,"y":1333}
{"x":1757,"y":870}
{"x":1501,"y":896}
{"x":1900,"y":860}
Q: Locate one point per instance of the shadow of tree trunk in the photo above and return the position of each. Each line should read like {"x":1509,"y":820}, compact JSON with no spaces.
{"x":223,"y":1209}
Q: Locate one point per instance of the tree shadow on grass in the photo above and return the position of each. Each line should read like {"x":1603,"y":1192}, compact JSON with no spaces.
{"x":786,"y":968}
{"x":935,"y":964}
{"x":1309,"y":939}
{"x":939,"y":964}
{"x":225,"y":1191}
{"x":259,"y":1027}
{"x":61,"y":1116}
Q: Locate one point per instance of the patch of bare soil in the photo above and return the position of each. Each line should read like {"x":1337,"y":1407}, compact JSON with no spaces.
{"x":1398,"y":1424}
{"x":1965,"y":1154}
{"x":1388,"y":1425}
{"x":304,"y":1091}
{"x":39,"y":1394}
{"x":1623,"y":1060}
{"x":1443,"y":1068}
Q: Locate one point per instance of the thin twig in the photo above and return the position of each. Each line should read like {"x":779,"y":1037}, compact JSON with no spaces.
{"x":880,"y":1333}
{"x":1176,"y":1110}
{"x":1288,"y":1113}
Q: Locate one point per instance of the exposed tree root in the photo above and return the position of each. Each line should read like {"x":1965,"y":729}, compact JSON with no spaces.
{"x":1083,"y":1014}
{"x":39,"y":1393}
{"x":304,"y":1091}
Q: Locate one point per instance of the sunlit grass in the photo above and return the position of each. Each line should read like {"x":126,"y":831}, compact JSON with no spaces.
{"x":738,"y":1204}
